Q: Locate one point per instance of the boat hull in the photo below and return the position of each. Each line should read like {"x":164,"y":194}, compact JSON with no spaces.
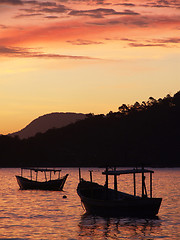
{"x":132,"y":206}
{"x":53,"y":185}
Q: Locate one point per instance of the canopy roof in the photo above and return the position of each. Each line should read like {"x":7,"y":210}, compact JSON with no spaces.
{"x":43,"y":169}
{"x":128,"y":171}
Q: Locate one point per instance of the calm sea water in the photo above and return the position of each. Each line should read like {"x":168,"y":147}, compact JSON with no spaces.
{"x":47,"y":215}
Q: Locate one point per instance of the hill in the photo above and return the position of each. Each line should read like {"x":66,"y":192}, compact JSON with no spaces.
{"x":48,"y":121}
{"x":144,"y":133}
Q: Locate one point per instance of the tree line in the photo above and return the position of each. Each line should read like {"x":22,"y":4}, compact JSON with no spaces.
{"x":145,"y":133}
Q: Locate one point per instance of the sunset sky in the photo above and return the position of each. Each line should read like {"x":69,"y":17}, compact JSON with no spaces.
{"x":85,"y":56}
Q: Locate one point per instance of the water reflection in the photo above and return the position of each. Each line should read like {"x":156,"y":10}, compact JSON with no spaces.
{"x":47,"y":215}
{"x":95,"y":227}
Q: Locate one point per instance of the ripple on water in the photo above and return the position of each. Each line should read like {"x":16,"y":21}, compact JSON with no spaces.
{"x":47,"y":215}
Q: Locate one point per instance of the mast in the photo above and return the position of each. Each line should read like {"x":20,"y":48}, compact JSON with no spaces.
{"x":106,"y":183}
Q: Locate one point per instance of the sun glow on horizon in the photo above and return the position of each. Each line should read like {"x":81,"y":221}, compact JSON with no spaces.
{"x":76,"y":56}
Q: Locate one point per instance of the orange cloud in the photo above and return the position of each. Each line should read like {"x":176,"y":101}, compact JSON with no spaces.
{"x":96,"y":31}
{"x":59,"y":24}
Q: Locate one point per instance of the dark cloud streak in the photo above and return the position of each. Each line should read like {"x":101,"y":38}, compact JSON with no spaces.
{"x":162,"y":4}
{"x":166,"y":42}
{"x":2,"y":26}
{"x":26,"y":53}
{"x":125,"y":4}
{"x":100,"y":12}
{"x":28,"y":15}
{"x":40,"y":8}
{"x":83,"y":42}
{"x":11,"y":2}
{"x":146,"y":45}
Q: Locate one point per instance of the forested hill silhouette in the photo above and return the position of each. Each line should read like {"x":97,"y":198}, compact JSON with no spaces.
{"x":145,"y":133}
{"x":48,"y":121}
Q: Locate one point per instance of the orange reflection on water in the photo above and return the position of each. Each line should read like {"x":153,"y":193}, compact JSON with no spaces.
{"x":128,"y":228}
{"x":47,"y":215}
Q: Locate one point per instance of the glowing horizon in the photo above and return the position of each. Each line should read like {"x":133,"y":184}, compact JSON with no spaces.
{"x":85,"y":56}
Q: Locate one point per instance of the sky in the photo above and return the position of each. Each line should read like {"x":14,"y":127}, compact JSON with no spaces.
{"x":85,"y":56}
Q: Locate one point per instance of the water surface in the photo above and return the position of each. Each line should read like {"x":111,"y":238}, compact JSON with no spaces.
{"x":33,"y":214}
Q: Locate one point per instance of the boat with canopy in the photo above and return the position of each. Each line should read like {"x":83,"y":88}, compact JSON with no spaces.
{"x":48,"y":184}
{"x":102,"y":200}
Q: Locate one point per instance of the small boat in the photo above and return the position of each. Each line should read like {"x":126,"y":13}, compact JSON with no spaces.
{"x":104,"y":201}
{"x":51,"y":184}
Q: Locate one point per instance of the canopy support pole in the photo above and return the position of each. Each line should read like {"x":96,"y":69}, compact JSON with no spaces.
{"x":79,"y":174}
{"x":134,"y":177}
{"x":142,"y":184}
{"x":150,"y":184}
{"x":45,"y":175}
{"x":115,"y":180}
{"x":106,"y":184}
{"x":90,"y":171}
